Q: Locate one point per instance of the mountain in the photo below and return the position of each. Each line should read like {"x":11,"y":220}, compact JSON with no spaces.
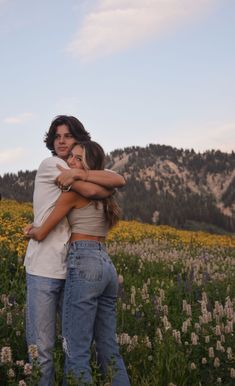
{"x":165,"y":185}
{"x":177,"y":187}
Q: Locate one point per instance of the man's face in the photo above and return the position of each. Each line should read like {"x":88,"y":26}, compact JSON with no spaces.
{"x":63,"y":141}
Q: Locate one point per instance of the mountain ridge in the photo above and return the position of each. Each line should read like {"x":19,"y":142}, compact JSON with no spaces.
{"x":165,"y":185}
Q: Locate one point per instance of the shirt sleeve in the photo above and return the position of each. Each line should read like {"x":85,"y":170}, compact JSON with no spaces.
{"x":110,"y":170}
{"x":48,"y":170}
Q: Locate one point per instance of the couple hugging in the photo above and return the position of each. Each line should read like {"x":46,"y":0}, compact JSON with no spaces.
{"x":67,"y":267}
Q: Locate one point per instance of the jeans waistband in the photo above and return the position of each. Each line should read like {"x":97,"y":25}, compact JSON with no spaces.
{"x":90,"y":244}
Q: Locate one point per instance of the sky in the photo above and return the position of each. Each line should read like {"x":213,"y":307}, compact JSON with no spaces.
{"x":134,"y":72}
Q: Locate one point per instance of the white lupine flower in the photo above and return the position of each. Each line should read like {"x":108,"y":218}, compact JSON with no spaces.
{"x":232,"y":372}
{"x":166,"y":322}
{"x":217,"y":330}
{"x":22,"y":383}
{"x":184,"y":327}
{"x":120,"y":279}
{"x":11,"y":373}
{"x":176,"y":334}
{"x":133,"y":294}
{"x":229,"y":327}
{"x":162,"y":293}
{"x":219,"y":346}
{"x":229,"y":353}
{"x":159,"y":334}
{"x":184,"y":305}
{"x":20,"y":363}
{"x":147,"y":342}
{"x":194,"y":339}
{"x":211,"y":352}
{"x":203,"y":307}
{"x":197,"y":327}
{"x":193,"y":366}
{"x":204,"y":297}
{"x":6,"y":354}
{"x":216,"y":362}
{"x":165,"y":309}
{"x":9,"y":318}
{"x":33,"y":351}
{"x":189,"y":310}
{"x":27,"y":369}
{"x":124,"y":338}
{"x":222,"y":338}
{"x":207,"y":339}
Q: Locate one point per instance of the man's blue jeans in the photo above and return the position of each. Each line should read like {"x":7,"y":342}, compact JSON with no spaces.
{"x":44,"y":300}
{"x":89,"y":313}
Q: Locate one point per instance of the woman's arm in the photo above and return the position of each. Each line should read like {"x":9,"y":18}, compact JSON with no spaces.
{"x":106,"y":178}
{"x":90,"y":190}
{"x":63,"y":205}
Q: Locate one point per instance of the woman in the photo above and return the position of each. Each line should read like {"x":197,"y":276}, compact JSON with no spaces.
{"x":89,"y":310}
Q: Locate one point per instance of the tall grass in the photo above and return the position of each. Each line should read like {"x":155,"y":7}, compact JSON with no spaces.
{"x":175,"y":307}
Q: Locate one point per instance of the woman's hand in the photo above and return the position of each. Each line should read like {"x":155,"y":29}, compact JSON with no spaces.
{"x":27,"y":229}
{"x":67,"y":177}
{"x":33,"y":233}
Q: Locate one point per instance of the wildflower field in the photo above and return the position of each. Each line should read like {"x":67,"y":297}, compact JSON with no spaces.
{"x":176,"y":305}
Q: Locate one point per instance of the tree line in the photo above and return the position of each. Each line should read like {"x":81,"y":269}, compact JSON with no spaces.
{"x":165,"y":185}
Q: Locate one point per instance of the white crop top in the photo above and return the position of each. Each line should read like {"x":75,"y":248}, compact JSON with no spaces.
{"x":89,"y":220}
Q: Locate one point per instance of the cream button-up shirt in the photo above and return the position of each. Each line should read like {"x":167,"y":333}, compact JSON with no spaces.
{"x":48,"y":258}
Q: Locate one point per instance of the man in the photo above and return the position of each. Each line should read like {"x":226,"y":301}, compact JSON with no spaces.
{"x":45,"y":261}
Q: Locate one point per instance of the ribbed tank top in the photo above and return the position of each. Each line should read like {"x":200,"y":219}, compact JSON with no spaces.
{"x":88,"y":220}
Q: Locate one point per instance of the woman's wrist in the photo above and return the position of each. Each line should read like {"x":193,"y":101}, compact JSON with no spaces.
{"x":86,"y":175}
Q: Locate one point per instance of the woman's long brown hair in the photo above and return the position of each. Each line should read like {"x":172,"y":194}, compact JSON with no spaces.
{"x":94,"y":159}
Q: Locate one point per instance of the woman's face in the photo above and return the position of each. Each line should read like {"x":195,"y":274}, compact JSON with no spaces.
{"x":74,"y":159}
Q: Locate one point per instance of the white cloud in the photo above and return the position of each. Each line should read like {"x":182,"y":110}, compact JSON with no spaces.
{"x":11,"y":155}
{"x":112,"y":26}
{"x":19,"y":119}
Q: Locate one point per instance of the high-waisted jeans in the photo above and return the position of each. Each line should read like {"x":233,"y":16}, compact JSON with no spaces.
{"x":89,"y":313}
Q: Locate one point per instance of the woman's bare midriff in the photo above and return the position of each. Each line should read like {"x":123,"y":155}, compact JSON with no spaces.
{"x":79,"y":236}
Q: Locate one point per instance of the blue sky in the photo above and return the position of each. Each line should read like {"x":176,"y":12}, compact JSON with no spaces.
{"x":134,"y":72}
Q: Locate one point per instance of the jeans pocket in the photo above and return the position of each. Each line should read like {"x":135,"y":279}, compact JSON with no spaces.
{"x":88,"y":268}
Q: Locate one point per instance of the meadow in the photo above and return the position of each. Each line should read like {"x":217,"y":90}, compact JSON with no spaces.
{"x":176,"y":305}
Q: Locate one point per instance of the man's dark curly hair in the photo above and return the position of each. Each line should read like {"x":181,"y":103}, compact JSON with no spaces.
{"x":75,"y":127}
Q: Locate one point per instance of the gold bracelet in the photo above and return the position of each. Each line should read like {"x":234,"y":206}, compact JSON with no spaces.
{"x":66,"y":188}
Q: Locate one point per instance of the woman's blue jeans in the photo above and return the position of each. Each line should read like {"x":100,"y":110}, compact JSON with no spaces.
{"x":89,"y":313}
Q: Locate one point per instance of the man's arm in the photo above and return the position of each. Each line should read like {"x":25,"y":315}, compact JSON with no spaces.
{"x":106,"y":178}
{"x":50,"y":169}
